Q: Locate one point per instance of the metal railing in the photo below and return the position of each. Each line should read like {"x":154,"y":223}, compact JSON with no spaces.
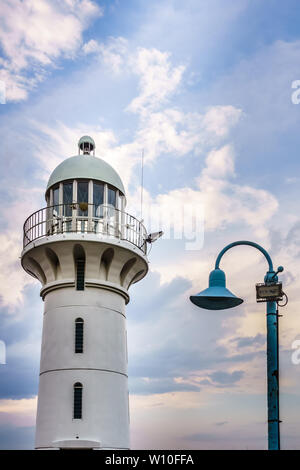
{"x":85,"y":218}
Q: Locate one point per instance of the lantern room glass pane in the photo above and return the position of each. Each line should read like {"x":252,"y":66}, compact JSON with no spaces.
{"x":56,"y":199}
{"x":67,"y":198}
{"x":111,"y":197}
{"x":83,"y":197}
{"x":98,"y":198}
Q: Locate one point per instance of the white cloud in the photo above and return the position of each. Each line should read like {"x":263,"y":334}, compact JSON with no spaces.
{"x":34,"y":34}
{"x":18,"y":412}
{"x":172,"y":131}
{"x":158,"y":78}
{"x":219,"y":118}
{"x":219,"y":163}
{"x":168,"y":131}
{"x":225,"y":203}
{"x":161,"y":129}
{"x":13,"y":278}
{"x":113,"y":53}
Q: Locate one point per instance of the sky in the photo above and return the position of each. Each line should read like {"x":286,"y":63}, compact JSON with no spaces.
{"x":207,"y":90}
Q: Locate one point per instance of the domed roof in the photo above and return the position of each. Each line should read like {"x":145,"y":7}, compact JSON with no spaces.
{"x":85,"y":167}
{"x":86,"y":138}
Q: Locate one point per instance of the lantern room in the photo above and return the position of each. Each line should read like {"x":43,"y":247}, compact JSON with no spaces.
{"x":85,"y":180}
{"x":86,"y":195}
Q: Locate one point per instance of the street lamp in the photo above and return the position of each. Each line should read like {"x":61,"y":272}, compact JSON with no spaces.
{"x":218,"y":297}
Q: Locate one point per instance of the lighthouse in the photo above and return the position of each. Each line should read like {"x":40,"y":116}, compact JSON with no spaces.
{"x":86,"y":251}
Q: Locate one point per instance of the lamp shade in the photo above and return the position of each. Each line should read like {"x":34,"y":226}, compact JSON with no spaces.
{"x":216,"y":296}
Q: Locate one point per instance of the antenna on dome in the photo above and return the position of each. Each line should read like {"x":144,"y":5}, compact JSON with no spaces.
{"x":142,"y":183}
{"x":86,"y":145}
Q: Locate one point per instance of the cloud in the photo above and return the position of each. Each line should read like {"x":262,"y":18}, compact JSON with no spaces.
{"x":18,"y":413}
{"x":34,"y":34}
{"x":161,"y":130}
{"x":163,"y":361}
{"x":21,"y":329}
{"x":170,"y":131}
{"x":226,"y":378}
{"x":219,"y":119}
{"x":12,"y":277}
{"x":113,"y":53}
{"x":146,"y":386}
{"x":163,"y":296}
{"x":19,"y":378}
{"x":158,"y":79}
{"x":219,"y":164}
{"x":247,"y":341}
{"x":215,"y":203}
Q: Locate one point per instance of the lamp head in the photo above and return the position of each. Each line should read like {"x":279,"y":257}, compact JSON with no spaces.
{"x":152,"y":237}
{"x":216,"y":296}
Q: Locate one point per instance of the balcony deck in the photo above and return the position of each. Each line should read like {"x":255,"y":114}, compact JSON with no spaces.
{"x":85,"y":218}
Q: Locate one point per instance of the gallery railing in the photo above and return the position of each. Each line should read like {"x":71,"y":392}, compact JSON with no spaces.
{"x":85,"y":218}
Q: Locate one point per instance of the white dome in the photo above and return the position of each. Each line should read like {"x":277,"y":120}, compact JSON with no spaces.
{"x":85,"y":167}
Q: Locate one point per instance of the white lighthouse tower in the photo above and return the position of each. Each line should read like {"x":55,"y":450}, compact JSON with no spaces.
{"x":86,"y":251}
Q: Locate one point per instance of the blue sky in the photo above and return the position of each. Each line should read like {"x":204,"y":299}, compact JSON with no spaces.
{"x":204,"y":87}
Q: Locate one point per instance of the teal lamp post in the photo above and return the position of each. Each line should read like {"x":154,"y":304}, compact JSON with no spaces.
{"x":218,"y":297}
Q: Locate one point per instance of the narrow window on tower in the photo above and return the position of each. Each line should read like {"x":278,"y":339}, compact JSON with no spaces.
{"x":78,"y":335}
{"x":80,"y":267}
{"x":77,"y":408}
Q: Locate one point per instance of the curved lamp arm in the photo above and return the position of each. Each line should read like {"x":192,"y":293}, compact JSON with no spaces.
{"x":245,"y":242}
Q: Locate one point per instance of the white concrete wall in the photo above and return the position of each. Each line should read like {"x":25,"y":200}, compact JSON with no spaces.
{"x":101,"y":368}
